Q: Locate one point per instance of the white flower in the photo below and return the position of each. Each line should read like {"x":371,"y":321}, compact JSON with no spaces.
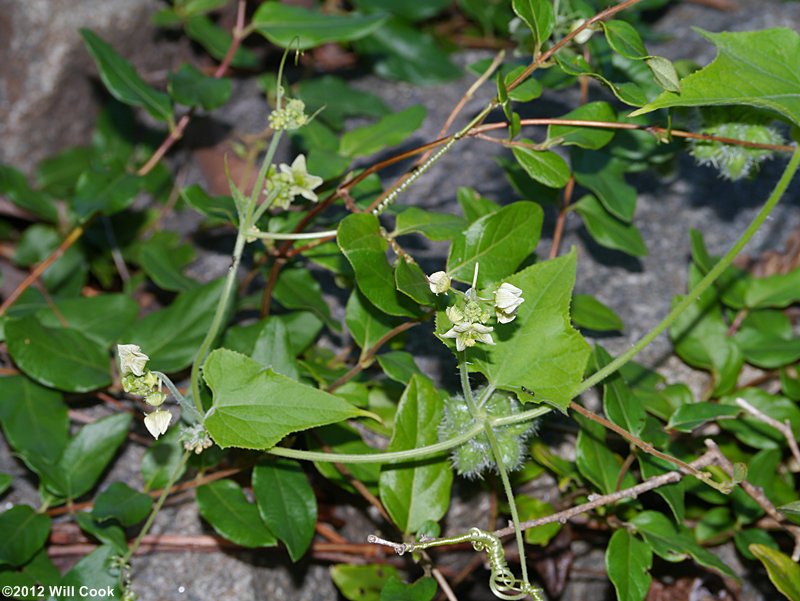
{"x":467,"y":334}
{"x":454,"y":314}
{"x":292,"y":116}
{"x":157,"y":422}
{"x":131,"y":359}
{"x":302,"y":182}
{"x":439,"y":282}
{"x":507,"y":299}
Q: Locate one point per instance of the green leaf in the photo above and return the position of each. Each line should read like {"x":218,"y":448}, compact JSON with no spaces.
{"x":273,"y":349}
{"x":190,"y":87}
{"x":196,"y":7}
{"x":171,"y":336}
{"x":689,"y":417}
{"x":297,"y":289}
{"x":123,"y":81}
{"x":35,"y":421}
{"x":286,"y":503}
{"x":754,"y":432}
{"x":619,"y":402}
{"x":5,"y":481}
{"x":781,"y":569}
{"x":107,"y":190}
{"x":399,"y":366}
{"x":412,"y":281}
{"x":624,"y":39}
{"x":217,"y":42}
{"x":473,"y":205}
{"x":609,"y":231}
{"x":628,"y":92}
{"x":585,"y":137}
{"x":217,"y":208}
{"x":673,"y":494}
{"x":223,"y":505}
{"x":161,"y":460}
{"x":101,"y":318}
{"x":340,"y":101}
{"x":732,"y":285}
{"x":366,"y":323}
{"x":22,"y":533}
{"x":414,"y":493}
{"x":388,"y":131}
{"x":595,"y":460}
{"x":543,"y":166}
{"x":360,"y":240}
{"x":540,"y":349}
{"x":754,"y":68}
{"x":752,"y":536}
{"x":664,"y":73}
{"x":792,"y":509}
{"x":605,"y":176}
{"x":539,"y":16}
{"x":628,"y":562}
{"x":108,"y":533}
{"x":122,"y":503}
{"x":67,"y":276}
{"x":296,"y":27}
{"x":254,"y":408}
{"x":499,"y":242}
{"x":396,"y":590}
{"x":58,"y":174}
{"x":774,"y":291}
{"x":93,"y":571}
{"x":342,"y":438}
{"x":767,"y":340}
{"x":409,"y":11}
{"x":37,"y":571}
{"x":57,"y":357}
{"x":399,"y":50}
{"x":590,"y":313}
{"x":163,"y":257}
{"x":531,"y":508}
{"x":15,"y":187}
{"x":434,"y":226}
{"x":361,"y":583}
{"x":88,"y":453}
{"x":674,"y":543}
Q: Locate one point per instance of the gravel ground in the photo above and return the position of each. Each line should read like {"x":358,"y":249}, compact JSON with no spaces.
{"x":639,"y":290}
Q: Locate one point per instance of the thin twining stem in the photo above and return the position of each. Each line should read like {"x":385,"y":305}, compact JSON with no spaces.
{"x":292,"y":236}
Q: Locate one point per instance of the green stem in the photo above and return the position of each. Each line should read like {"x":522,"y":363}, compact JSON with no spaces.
{"x":299,"y":236}
{"x":156,"y":508}
{"x":702,"y":286}
{"x":481,"y":417}
{"x":230,"y":281}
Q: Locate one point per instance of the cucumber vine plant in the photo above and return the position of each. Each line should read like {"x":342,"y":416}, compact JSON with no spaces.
{"x":261,"y":397}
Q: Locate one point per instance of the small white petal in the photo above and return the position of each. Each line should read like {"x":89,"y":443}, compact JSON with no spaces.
{"x":157,"y":422}
{"x":487,"y":338}
{"x":131,"y":359}
{"x":451,"y":333}
{"x":507,"y":296}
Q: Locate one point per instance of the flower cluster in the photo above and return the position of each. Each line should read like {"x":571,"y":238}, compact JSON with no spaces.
{"x":195,"y":438}
{"x":470,"y":313}
{"x":137,"y":379}
{"x":289,"y":181}
{"x":291,"y":116}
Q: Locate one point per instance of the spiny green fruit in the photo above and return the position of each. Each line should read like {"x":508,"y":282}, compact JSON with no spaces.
{"x":735,"y":162}
{"x":474,"y":457}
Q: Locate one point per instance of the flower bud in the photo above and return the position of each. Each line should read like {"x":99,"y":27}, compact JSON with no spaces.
{"x":439,"y":282}
{"x":585,"y":35}
{"x":131,"y":359}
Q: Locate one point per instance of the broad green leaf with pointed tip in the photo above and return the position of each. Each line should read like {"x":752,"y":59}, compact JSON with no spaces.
{"x":432,"y":225}
{"x":101,"y":318}
{"x":388,"y":131}
{"x":396,"y":590}
{"x":609,"y":231}
{"x":122,"y":503}
{"x":605,"y":176}
{"x":298,"y":289}
{"x":585,"y":137}
{"x":782,"y":570}
{"x":163,"y":257}
{"x":223,"y":505}
{"x":412,"y":281}
{"x":190,"y":87}
{"x":57,"y":357}
{"x":540,"y":349}
{"x":108,"y":532}
{"x":628,"y":562}
{"x":107,"y":190}
{"x":414,"y":493}
{"x":361,"y":241}
{"x":22,"y":533}
{"x":399,"y":366}
{"x":366,"y":323}
{"x":595,"y":461}
{"x":93,"y":571}
{"x":628,"y":92}
{"x":297,"y":27}
{"x":688,"y":417}
{"x":590,"y":313}
{"x":123,"y":81}
{"x":543,"y":166}
{"x":217,"y":42}
{"x":286,"y":503}
{"x":15,"y":187}
{"x":499,"y":242}
{"x":676,"y":543}
{"x":538,"y":15}
{"x":254,"y":408}
{"x":754,"y":68}
{"x":624,"y":39}
{"x":619,"y":402}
